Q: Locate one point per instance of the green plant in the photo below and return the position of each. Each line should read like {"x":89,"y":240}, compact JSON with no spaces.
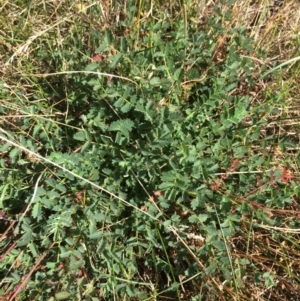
{"x":137,"y":159}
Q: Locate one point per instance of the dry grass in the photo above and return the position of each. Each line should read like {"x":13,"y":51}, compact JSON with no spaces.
{"x":275,"y":27}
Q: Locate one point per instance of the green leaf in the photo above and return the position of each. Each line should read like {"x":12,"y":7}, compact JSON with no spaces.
{"x":124,"y":126}
{"x":193,"y":218}
{"x":116,"y":60}
{"x":83,"y":118}
{"x":178,"y":74}
{"x":62,"y":295}
{"x":219,"y":244}
{"x":159,"y":54}
{"x":169,"y":176}
{"x":123,"y":44}
{"x":164,"y":204}
{"x":33,"y":250}
{"x":25,"y":239}
{"x":22,"y":140}
{"x":5,"y":147}
{"x":96,"y":235}
{"x":82,"y":136}
{"x":65,"y":254}
{"x":36,"y":211}
{"x":92,"y":67}
{"x":101,"y":48}
{"x":76,"y":264}
{"x":155,"y":81}
{"x":166,"y":185}
{"x":70,"y":241}
{"x":40,"y":192}
{"x":85,"y":146}
{"x":3,"y":190}
{"x":119,"y":125}
{"x":202,"y":217}
{"x":211,"y":268}
{"x":108,"y":36}
{"x":14,"y":153}
{"x":193,"y":74}
{"x":126,"y":108}
{"x":119,"y":103}
{"x":60,"y":188}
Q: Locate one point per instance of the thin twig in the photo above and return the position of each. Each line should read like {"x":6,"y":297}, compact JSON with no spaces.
{"x":30,"y":273}
{"x":30,"y":203}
